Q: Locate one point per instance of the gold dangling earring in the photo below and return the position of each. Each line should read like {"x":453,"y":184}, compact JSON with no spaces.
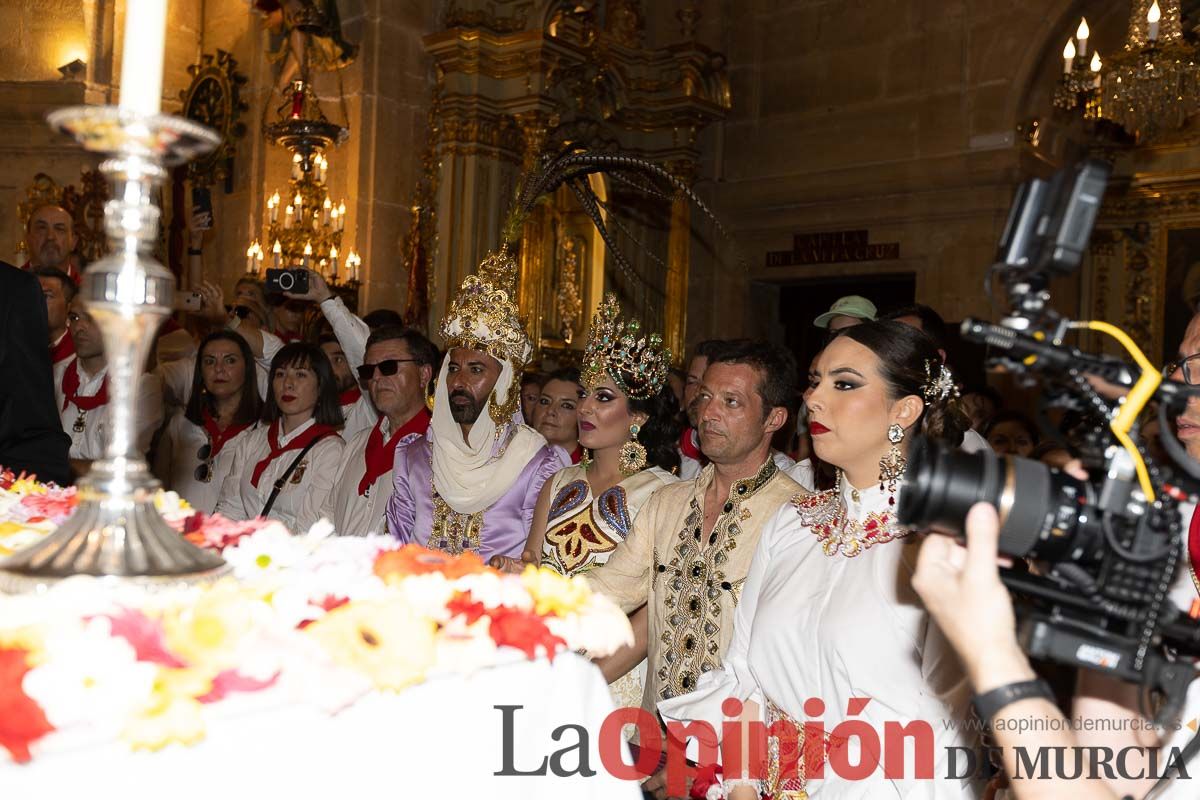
{"x":585,"y":460}
{"x":893,"y":464}
{"x":633,"y":454}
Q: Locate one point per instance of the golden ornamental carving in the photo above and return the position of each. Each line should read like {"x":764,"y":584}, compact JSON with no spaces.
{"x":214,"y":99}
{"x":84,"y":203}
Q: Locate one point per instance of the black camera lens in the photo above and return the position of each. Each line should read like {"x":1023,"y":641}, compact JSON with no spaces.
{"x":1042,"y":511}
{"x":287,"y":281}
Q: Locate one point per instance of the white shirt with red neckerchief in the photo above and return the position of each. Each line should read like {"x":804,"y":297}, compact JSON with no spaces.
{"x":304,"y":495}
{"x":89,"y":443}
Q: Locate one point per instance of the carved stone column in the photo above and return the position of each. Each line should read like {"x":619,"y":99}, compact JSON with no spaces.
{"x":678,"y":263}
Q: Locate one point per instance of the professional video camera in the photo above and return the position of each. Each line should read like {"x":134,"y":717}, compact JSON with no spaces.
{"x":1107,"y":548}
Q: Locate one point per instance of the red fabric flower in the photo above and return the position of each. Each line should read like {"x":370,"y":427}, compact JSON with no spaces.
{"x":22,"y":721}
{"x":463,"y":603}
{"x":705,"y":777}
{"x":145,"y":635}
{"x":524,"y":631}
{"x":230,"y":680}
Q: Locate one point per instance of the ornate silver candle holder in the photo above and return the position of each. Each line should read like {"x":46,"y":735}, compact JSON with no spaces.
{"x":116,"y":530}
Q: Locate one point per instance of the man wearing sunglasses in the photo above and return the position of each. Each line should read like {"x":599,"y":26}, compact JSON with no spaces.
{"x":398,"y":368}
{"x":473,"y":482}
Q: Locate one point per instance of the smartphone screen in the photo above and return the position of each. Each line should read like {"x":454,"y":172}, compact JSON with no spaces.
{"x":202,"y":203}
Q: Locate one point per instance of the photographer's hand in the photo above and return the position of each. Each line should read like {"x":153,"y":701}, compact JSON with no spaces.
{"x":318,"y":291}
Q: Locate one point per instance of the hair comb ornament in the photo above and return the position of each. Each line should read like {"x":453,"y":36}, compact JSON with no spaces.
{"x":942,"y":385}
{"x":637,"y":364}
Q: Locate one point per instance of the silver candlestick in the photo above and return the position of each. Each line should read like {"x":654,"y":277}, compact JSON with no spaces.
{"x":116,"y":530}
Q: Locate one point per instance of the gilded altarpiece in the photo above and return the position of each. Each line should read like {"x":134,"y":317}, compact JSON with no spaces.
{"x":519,"y":79}
{"x":1143,"y":267}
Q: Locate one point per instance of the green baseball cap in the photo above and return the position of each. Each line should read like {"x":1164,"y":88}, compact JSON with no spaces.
{"x":851,"y":305}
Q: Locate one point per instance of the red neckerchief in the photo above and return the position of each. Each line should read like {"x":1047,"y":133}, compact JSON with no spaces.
{"x":1194,"y":545}
{"x":64,"y":349}
{"x":349,"y":396}
{"x":299,"y":443}
{"x":217,"y":437}
{"x":689,"y":448}
{"x":71,"y":387}
{"x":577,"y":454}
{"x":379,"y":456}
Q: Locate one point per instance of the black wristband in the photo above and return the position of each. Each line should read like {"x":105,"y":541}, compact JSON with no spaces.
{"x":195,"y":251}
{"x":988,"y":704}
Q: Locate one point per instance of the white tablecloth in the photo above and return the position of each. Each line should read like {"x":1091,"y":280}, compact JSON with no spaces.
{"x":442,"y":739}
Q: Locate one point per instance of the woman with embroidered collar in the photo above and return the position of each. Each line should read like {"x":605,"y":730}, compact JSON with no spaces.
{"x":828,"y":612}
{"x":195,"y":452}
{"x":284,"y":468}
{"x":628,"y":425}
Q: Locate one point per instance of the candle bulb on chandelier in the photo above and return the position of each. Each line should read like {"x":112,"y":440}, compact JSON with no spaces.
{"x":333,"y":217}
{"x":1153,"y":16}
{"x":276,"y":254}
{"x":307,"y":255}
{"x":341,"y":216}
{"x":325,"y":209}
{"x":333,"y":262}
{"x":297,"y":168}
{"x":1082,"y":33}
{"x":324,"y":166}
{"x":1096,"y":69}
{"x":287,"y":218}
{"x":1068,"y":56}
{"x":250,"y":257}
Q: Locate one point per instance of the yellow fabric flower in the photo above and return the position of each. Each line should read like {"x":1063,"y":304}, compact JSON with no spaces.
{"x":172,"y":715}
{"x":383,"y":638}
{"x":553,"y":593}
{"x":208,"y":632}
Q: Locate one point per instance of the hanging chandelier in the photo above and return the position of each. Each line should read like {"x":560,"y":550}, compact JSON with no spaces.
{"x":1151,"y":86}
{"x":303,"y":225}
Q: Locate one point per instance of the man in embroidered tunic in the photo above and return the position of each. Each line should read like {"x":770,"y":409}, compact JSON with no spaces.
{"x":473,"y":482}
{"x":691,"y":544}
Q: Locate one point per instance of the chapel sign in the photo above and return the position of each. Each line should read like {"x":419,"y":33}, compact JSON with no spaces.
{"x":832,"y":247}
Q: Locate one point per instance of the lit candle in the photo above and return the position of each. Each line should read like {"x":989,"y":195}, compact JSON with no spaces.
{"x":276,"y":254}
{"x":341,"y":216}
{"x":321,"y":174}
{"x":142,"y":56}
{"x":22,"y":257}
{"x":297,"y":170}
{"x":316,"y":222}
{"x":334,"y":217}
{"x":258,"y":257}
{"x":1153,"y":16}
{"x":250,"y":258}
{"x":273,"y":208}
{"x":1096,"y":69}
{"x":1082,"y":33}
{"x":333,"y":264}
{"x":298,"y":201}
{"x":307,"y":255}
{"x":287,"y":218}
{"x":325,"y":211}
{"x":1068,"y":56}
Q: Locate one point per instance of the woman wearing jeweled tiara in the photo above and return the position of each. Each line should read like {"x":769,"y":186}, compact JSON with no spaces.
{"x":628,"y":428}
{"x":828,"y":612}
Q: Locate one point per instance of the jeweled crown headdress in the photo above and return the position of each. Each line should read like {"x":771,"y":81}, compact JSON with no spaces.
{"x":637,"y":364}
{"x":484,"y":315}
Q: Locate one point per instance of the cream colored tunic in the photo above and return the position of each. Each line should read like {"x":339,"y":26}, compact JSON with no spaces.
{"x":690,"y":578}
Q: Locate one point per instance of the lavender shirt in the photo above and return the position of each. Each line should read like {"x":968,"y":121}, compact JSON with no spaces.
{"x":505,"y":524}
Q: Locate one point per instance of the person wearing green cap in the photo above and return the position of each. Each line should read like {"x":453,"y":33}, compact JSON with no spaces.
{"x":850,"y":310}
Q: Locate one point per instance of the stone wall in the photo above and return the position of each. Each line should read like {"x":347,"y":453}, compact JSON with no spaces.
{"x":896,"y":117}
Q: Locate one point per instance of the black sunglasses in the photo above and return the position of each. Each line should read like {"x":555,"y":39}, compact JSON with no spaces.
{"x":1189,"y":366}
{"x":204,"y":472}
{"x":387,"y":368}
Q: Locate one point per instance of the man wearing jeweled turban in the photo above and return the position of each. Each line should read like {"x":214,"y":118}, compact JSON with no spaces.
{"x":473,"y":482}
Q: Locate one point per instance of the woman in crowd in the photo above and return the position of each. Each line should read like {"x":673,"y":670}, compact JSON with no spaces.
{"x":828,"y":610}
{"x":195,"y":451}
{"x":1012,"y":433}
{"x":557,"y":412}
{"x":628,"y":427}
{"x":284,"y":468}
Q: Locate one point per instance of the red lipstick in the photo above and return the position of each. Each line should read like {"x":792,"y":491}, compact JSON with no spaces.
{"x":816,"y":428}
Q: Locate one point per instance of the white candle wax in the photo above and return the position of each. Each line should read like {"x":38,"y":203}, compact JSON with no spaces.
{"x":142,"y":56}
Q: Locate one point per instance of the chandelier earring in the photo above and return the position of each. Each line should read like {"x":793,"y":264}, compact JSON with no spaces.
{"x":633,"y":453}
{"x":892,"y":465}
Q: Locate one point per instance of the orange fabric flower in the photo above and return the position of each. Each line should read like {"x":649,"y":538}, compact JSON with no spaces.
{"x":412,"y":559}
{"x":22,"y":721}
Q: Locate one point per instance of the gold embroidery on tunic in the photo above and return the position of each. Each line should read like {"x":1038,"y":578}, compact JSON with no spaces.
{"x":695,"y":588}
